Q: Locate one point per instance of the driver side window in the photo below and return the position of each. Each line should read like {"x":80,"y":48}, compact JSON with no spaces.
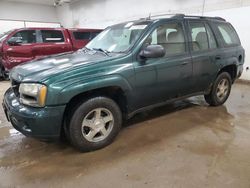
{"x":170,"y":36}
{"x":26,"y":37}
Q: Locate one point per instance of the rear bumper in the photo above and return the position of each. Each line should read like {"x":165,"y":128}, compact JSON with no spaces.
{"x":42,"y":123}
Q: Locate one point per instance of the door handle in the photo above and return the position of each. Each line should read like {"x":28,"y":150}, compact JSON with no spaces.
{"x":184,"y":63}
{"x":217,"y":57}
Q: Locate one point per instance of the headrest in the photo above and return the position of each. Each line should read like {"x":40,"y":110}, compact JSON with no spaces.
{"x":175,"y":36}
{"x":161,"y":35}
{"x":201,"y":37}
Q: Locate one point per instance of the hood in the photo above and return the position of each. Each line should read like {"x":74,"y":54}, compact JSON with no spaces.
{"x":42,"y":69}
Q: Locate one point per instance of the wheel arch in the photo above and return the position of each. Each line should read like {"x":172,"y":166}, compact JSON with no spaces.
{"x":231,"y":69}
{"x":115,"y":93}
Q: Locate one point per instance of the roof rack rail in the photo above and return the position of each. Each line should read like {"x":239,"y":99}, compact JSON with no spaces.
{"x":179,"y":15}
{"x":204,"y":17}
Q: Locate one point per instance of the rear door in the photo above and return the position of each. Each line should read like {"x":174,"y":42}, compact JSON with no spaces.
{"x":203,"y":47}
{"x":22,"y":52}
{"x":52,"y":41}
{"x":80,"y":38}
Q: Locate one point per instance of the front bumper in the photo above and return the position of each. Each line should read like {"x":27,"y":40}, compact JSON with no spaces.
{"x":4,"y":72}
{"x":42,"y":123}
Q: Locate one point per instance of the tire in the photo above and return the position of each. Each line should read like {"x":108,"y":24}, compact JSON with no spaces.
{"x":3,"y":74}
{"x":94,"y":124}
{"x":217,"y":97}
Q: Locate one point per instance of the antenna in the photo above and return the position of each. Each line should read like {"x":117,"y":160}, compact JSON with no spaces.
{"x":149,"y":16}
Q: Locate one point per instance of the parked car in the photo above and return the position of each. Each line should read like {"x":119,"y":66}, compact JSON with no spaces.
{"x":26,"y":44}
{"x":128,"y":68}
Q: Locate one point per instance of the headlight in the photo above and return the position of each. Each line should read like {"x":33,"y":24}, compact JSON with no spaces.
{"x":33,"y":94}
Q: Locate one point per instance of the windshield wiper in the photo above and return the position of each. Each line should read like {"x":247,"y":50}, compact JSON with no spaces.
{"x":83,"y":50}
{"x":106,"y":52}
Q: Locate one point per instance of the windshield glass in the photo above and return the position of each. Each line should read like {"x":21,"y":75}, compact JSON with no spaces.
{"x":118,"y":38}
{"x":4,"y":35}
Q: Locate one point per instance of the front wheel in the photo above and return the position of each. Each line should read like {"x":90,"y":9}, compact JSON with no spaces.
{"x":220,"y":91}
{"x":95,"y":124}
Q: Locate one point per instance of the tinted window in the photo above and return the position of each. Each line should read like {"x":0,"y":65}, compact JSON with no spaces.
{"x":170,"y":36}
{"x":27,"y":37}
{"x":228,"y":33}
{"x":94,"y":34}
{"x":81,"y":35}
{"x":52,"y":36}
{"x":211,"y":39}
{"x":199,"y":36}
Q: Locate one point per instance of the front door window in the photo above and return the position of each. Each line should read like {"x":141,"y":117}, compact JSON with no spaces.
{"x":170,"y":36}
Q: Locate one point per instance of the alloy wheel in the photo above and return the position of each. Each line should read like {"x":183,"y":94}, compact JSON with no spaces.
{"x":97,"y":125}
{"x":222,"y":89}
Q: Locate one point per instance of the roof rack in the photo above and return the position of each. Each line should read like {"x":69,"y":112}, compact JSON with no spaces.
{"x":201,"y":17}
{"x":178,"y":15}
{"x":160,"y":15}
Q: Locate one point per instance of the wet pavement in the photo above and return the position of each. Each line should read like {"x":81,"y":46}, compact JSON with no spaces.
{"x":185,"y":144}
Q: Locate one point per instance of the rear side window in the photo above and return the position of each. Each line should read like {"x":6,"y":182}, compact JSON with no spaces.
{"x":94,"y":34}
{"x":52,"y":36}
{"x":199,"y":36}
{"x":211,"y":39}
{"x":228,"y":34}
{"x":81,"y":35}
{"x":85,"y":35}
{"x":26,"y":37}
{"x":202,"y":36}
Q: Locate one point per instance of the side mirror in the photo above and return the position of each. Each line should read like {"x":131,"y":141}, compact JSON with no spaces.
{"x":15,"y":41}
{"x":153,"y":51}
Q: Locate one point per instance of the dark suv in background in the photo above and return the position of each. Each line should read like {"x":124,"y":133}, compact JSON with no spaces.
{"x":128,"y":68}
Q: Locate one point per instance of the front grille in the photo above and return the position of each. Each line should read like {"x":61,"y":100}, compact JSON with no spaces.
{"x":15,"y":86}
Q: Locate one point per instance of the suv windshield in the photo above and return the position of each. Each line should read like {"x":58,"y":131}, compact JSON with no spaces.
{"x":118,"y":38}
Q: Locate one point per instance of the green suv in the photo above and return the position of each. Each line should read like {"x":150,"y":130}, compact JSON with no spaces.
{"x":128,"y":68}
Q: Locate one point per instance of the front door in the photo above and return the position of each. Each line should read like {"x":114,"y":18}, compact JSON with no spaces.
{"x":168,"y":77}
{"x":20,"y":52}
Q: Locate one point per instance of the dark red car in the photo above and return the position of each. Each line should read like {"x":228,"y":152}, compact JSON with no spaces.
{"x":22,"y":45}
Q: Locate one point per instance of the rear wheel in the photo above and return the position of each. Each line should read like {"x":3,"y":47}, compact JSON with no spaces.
{"x":95,"y":124}
{"x":220,"y":91}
